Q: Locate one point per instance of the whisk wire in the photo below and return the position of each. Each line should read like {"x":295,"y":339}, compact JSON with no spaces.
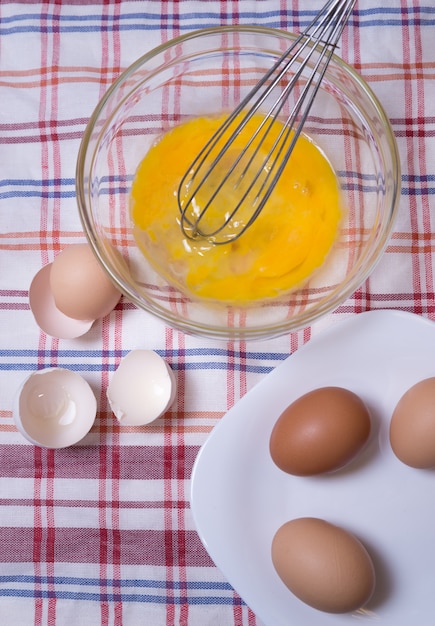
{"x":287,"y":130}
{"x":321,"y":38}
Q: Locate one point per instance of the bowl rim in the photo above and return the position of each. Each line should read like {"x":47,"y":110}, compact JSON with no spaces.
{"x":253,"y":332}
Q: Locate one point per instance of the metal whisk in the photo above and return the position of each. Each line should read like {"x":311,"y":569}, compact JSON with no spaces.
{"x":241,"y":179}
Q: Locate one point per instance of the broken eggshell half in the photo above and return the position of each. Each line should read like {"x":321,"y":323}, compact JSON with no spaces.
{"x":54,"y":408}
{"x":48,"y":317}
{"x":142,"y":388}
{"x":69,"y":294}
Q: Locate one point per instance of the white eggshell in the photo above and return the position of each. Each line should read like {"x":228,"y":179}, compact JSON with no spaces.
{"x":142,"y":388}
{"x":47,"y":315}
{"x":54,"y":408}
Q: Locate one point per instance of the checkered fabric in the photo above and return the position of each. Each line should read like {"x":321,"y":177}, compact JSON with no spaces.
{"x":101,"y":533}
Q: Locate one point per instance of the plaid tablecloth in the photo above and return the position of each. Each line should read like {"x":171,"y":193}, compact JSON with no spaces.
{"x":102,"y":533}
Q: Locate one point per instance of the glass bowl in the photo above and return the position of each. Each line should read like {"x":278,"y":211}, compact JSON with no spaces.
{"x":205,"y":73}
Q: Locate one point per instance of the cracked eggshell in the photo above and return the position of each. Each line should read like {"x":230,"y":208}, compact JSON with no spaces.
{"x":48,"y":317}
{"x":81,"y":289}
{"x":142,"y":388}
{"x":54,"y":408}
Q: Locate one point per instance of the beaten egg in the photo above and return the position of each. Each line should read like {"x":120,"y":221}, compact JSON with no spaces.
{"x":321,"y":431}
{"x":289,"y":240}
{"x":324,"y":565}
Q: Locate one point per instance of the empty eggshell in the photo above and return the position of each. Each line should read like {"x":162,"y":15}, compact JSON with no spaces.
{"x":54,"y":408}
{"x":47,"y":315}
{"x":81,"y":289}
{"x":141,"y":389}
{"x":323,"y":565}
{"x":412,"y":426}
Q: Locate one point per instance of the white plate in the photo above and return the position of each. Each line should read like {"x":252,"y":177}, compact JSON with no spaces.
{"x":239,"y":497}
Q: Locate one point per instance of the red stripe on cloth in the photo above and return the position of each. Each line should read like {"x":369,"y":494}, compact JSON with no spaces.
{"x":35,"y":539}
{"x":350,"y":49}
{"x":55,"y":228}
{"x":110,"y":462}
{"x":422,"y":165}
{"x":136,"y":462}
{"x":174,"y":449}
{"x":176,"y":538}
{"x":83,"y":545}
{"x":419,"y":214}
{"x":82,"y":504}
{"x":49,"y":223}
{"x":299,"y":338}
{"x":117,"y":340}
{"x":180,"y":493}
{"x":71,"y":2}
{"x":51,"y":541}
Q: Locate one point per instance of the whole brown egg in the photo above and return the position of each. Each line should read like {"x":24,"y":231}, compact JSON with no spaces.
{"x":412,"y":426}
{"x":324,"y":565}
{"x":320,"y":432}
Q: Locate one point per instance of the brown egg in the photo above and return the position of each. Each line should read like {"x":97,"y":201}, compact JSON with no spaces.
{"x":412,"y":426}
{"x":79,"y":285}
{"x":323,"y":565}
{"x":320,"y":432}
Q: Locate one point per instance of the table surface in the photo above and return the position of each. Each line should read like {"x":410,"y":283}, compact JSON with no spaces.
{"x":102,"y":533}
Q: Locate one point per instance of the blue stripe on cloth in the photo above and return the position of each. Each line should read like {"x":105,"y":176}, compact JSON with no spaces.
{"x":118,"y":590}
{"x":137,"y":21}
{"x":413,"y":185}
{"x":65,"y":358}
{"x":125,"y":582}
{"x":121,"y":597}
{"x":185,"y":352}
{"x":107,"y":367}
{"x":142,"y":15}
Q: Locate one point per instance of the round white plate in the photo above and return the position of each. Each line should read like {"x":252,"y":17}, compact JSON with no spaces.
{"x":239,"y":497}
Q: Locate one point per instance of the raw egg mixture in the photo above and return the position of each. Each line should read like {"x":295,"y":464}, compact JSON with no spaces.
{"x":282,"y":248}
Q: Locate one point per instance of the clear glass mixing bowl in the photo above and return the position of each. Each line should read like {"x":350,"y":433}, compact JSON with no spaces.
{"x":204,"y":73}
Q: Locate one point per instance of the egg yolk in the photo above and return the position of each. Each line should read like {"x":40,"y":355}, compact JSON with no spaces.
{"x":280,"y":250}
